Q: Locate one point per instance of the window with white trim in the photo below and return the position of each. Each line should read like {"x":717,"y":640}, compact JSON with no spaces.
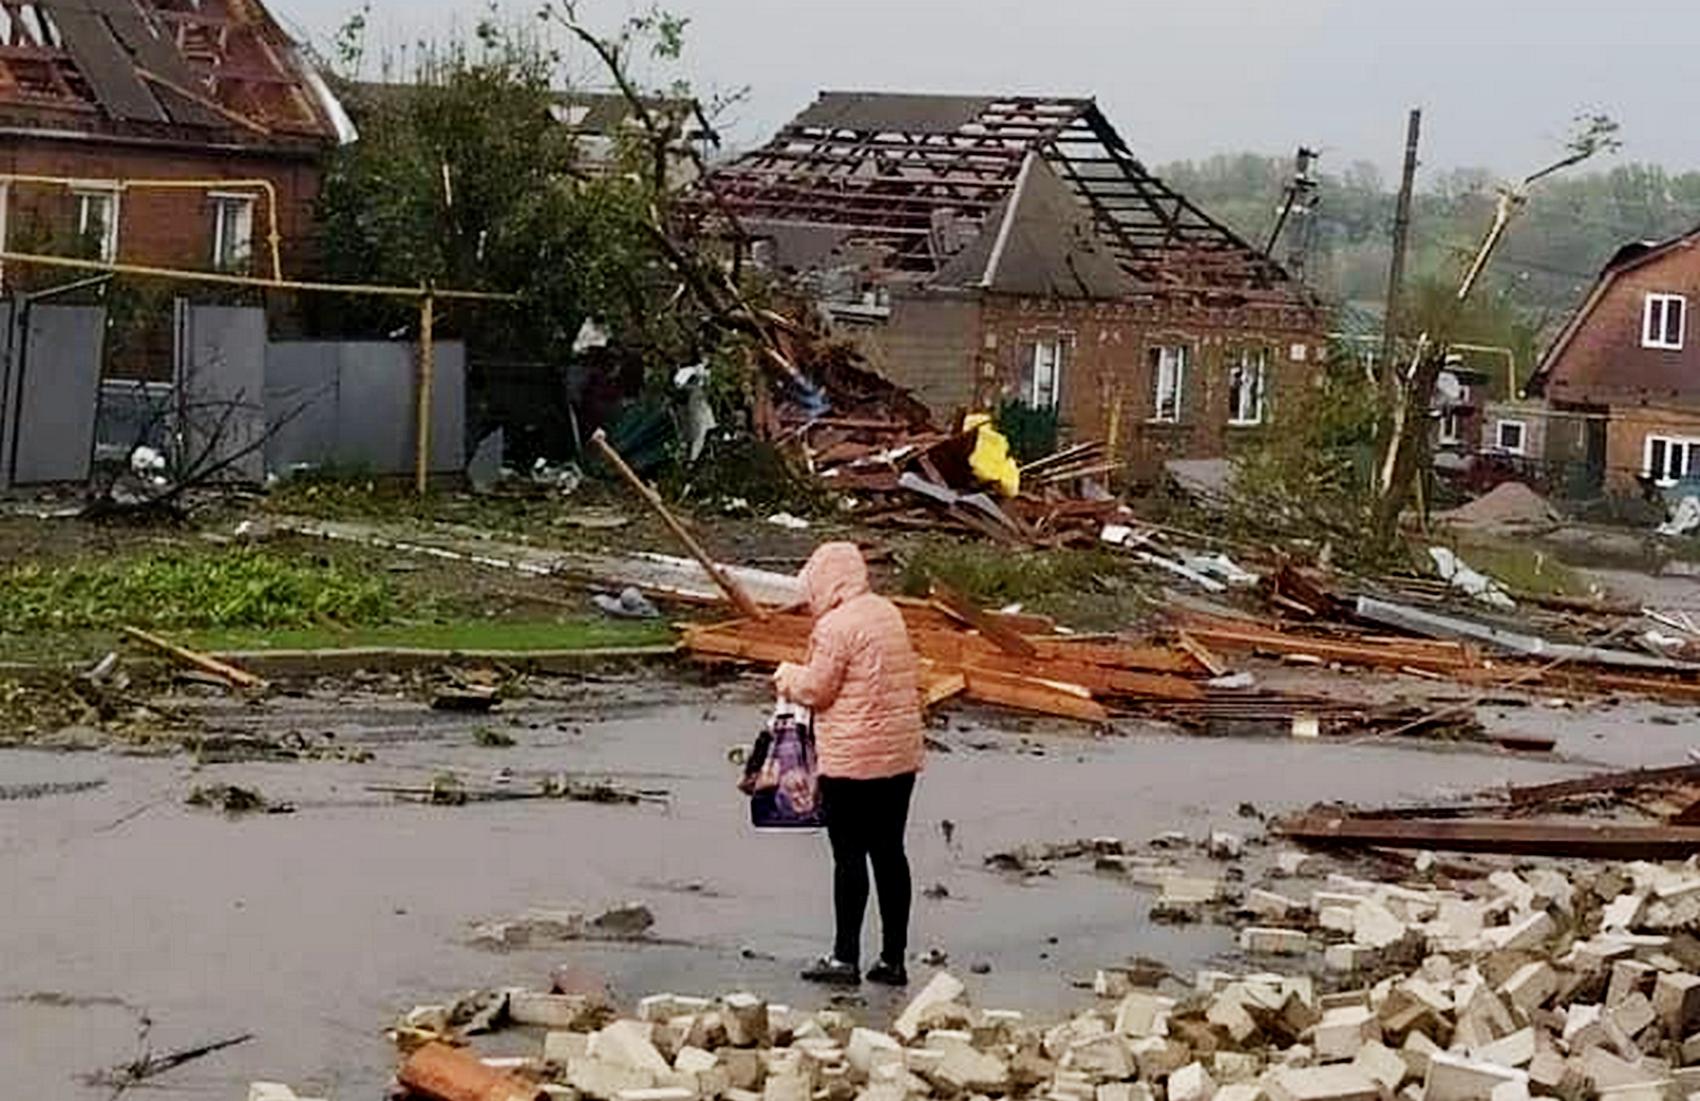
{"x":1451,"y":427}
{"x":1168,"y":382}
{"x":1248,"y":373}
{"x":97,"y":220}
{"x":233,"y":232}
{"x":1511,"y":437}
{"x":1041,"y":384}
{"x":1664,"y":321}
{"x":1668,"y":460}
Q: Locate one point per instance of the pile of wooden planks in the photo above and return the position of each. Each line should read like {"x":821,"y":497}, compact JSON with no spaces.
{"x":1465,"y":662}
{"x":1022,"y":662}
{"x":1012,"y":661}
{"x":1582,"y":817}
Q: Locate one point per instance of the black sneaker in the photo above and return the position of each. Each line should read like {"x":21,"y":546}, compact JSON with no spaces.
{"x":832,"y":972}
{"x":888,"y":974}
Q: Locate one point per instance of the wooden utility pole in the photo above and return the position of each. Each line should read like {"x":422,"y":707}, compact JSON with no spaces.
{"x":427,"y":380}
{"x":1401,"y":240}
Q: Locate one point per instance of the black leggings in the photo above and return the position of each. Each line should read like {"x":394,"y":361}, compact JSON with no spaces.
{"x":865,"y":820}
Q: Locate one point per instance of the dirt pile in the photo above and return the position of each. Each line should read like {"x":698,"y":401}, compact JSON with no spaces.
{"x":1510,"y":506}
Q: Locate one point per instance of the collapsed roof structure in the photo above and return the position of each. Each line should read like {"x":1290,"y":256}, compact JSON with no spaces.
{"x":161,"y":70}
{"x":919,"y":177}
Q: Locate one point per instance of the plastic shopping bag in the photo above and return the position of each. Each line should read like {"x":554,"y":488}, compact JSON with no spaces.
{"x":781,"y":774}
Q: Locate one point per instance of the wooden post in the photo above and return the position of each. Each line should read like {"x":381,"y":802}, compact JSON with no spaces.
{"x":1401,"y":239}
{"x":734,"y":592}
{"x":427,"y":373}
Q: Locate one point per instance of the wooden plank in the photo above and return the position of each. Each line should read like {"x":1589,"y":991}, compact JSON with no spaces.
{"x":1202,"y":653}
{"x":1151,"y":659}
{"x":1601,"y":682}
{"x":1069,"y":701}
{"x":241,"y":678}
{"x":1348,"y":652}
{"x":734,"y":591}
{"x":937,"y":686}
{"x":1100,"y":680}
{"x":1599,"y":840}
{"x":921,"y":612}
{"x":729,"y":644}
{"x":954,"y":604}
{"x":1604,"y":783}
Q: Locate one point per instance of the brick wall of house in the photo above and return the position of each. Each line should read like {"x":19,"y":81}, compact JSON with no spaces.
{"x":170,"y":228}
{"x":1626,"y":439}
{"x":1605,"y":361}
{"x":927,"y":345}
{"x":1109,"y":382}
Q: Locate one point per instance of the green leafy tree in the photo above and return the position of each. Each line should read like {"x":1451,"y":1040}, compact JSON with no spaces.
{"x":466,"y":177}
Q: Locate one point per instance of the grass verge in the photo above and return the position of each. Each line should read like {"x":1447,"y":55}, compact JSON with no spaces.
{"x":1523,"y":568}
{"x":577,"y":634}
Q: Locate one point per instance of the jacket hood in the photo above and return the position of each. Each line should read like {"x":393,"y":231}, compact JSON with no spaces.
{"x":835,"y":573}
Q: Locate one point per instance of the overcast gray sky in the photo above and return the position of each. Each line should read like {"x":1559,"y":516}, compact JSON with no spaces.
{"x":1498,"y":79}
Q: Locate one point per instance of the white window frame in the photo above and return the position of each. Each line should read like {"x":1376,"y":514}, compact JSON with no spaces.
{"x":1047,"y":353}
{"x":1657,"y":307}
{"x":1451,"y":427}
{"x":83,"y":193}
{"x":223,"y":202}
{"x":1499,"y":428}
{"x":1256,"y":360}
{"x":1168,"y":382}
{"x":1690,"y":447}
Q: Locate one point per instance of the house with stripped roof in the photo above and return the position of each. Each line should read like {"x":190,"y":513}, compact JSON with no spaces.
{"x":987,"y":249}
{"x":1615,"y":402}
{"x":173,"y":133}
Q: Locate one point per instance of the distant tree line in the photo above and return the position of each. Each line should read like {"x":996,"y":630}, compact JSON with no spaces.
{"x":1570,"y":228}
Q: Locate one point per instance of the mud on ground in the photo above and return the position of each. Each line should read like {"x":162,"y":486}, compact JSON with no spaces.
{"x":314,"y":928}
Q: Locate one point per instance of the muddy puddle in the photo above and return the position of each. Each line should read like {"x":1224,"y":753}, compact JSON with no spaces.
{"x":128,"y":918}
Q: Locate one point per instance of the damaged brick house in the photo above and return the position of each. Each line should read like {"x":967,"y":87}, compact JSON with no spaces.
{"x":1621,"y":383}
{"x":986,"y":249}
{"x":177,"y":133}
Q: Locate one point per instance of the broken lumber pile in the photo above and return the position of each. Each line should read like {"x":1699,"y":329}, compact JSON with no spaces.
{"x":919,"y":478}
{"x":1575,"y":670}
{"x":1664,"y":802}
{"x":1044,"y":673}
{"x":1538,"y":983}
{"x":1026,"y":664}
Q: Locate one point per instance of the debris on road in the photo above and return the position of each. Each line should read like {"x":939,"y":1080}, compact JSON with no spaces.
{"x":234,"y":800}
{"x":149,"y":1066}
{"x":448,"y":790}
{"x":1549,"y":981}
{"x":1596,"y":822}
{"x":630,"y":921}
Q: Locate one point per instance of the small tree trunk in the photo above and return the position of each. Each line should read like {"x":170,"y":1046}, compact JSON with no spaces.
{"x":1406,"y":448}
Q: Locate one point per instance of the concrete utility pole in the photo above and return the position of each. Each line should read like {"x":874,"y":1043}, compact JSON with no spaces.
{"x":1401,"y":240}
{"x":1298,"y":202}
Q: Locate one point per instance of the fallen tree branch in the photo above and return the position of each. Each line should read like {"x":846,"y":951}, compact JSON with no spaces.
{"x":144,"y":1067}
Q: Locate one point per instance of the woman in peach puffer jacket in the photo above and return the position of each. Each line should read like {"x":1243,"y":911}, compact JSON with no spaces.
{"x":862,"y":679}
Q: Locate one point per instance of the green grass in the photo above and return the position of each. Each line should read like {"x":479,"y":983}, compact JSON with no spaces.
{"x":1523,"y":568}
{"x":190,"y":587}
{"x":585,"y":634}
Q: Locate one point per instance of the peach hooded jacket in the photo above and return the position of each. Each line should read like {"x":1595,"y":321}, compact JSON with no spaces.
{"x":862,"y":677}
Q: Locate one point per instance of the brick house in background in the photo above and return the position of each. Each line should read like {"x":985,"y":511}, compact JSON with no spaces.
{"x":989,"y":249}
{"x":176,"y":133}
{"x":1621,"y":383}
